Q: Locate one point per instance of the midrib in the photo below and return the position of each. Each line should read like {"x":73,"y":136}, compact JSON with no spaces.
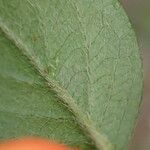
{"x":100,"y":140}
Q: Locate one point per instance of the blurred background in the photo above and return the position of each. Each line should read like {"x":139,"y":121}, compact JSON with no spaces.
{"x":139,"y":15}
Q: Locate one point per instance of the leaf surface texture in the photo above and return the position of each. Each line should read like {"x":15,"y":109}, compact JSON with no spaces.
{"x":70,"y":70}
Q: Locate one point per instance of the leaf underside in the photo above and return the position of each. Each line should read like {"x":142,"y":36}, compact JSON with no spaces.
{"x":70,"y":70}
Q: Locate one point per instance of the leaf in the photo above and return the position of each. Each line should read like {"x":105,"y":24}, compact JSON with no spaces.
{"x":70,"y":70}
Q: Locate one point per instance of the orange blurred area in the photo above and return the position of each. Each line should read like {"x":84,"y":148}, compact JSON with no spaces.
{"x":33,"y":144}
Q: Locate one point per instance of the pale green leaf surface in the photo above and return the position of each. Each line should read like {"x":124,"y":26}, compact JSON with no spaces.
{"x":70,"y":70}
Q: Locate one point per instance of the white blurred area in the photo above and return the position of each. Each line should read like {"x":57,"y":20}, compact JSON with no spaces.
{"x":139,"y":14}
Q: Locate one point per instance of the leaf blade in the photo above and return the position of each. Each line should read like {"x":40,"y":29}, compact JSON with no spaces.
{"x":96,"y":95}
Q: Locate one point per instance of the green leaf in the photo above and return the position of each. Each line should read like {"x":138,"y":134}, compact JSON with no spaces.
{"x":70,"y":70}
